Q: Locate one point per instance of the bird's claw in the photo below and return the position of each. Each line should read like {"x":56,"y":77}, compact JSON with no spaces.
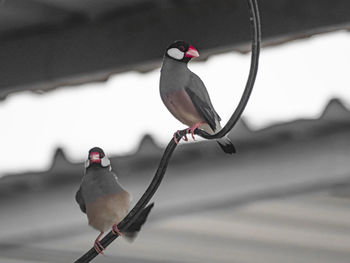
{"x":116,"y":231}
{"x":175,"y":140}
{"x":98,"y":247}
{"x":184,"y":137}
{"x":189,"y":130}
{"x":193,"y":128}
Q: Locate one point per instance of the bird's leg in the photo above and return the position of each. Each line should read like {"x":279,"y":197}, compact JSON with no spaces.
{"x":115,"y":230}
{"x":184,"y":137}
{"x":97,"y":245}
{"x":193,"y":127}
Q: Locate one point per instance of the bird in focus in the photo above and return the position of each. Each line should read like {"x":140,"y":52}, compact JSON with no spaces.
{"x":104,"y":200}
{"x":185,"y":95}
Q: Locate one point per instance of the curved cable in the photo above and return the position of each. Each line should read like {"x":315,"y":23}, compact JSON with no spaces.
{"x":152,"y":188}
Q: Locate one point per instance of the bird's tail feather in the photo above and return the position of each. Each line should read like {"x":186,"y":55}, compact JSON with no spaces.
{"x":226,"y":145}
{"x":132,"y":231}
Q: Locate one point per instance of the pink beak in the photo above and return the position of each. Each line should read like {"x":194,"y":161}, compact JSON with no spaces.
{"x":192,"y":52}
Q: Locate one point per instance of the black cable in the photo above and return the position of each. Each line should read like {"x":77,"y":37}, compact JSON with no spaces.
{"x":256,"y":39}
{"x":152,"y":188}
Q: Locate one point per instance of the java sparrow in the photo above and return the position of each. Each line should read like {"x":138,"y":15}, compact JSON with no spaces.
{"x":104,"y":200}
{"x":185,"y":95}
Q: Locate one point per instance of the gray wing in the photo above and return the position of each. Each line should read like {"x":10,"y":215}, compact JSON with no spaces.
{"x":114,"y":175}
{"x":116,"y":184}
{"x":201,"y":100}
{"x":80,"y":200}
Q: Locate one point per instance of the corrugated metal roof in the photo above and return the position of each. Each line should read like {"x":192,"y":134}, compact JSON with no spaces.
{"x":50,"y":43}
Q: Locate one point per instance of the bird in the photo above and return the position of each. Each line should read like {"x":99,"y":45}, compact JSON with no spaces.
{"x":104,"y":200}
{"x":185,"y":95}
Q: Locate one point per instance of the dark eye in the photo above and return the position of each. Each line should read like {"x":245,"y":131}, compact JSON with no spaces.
{"x":182,"y":48}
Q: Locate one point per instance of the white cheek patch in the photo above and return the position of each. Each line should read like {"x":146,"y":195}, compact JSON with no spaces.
{"x":105,"y":162}
{"x":175,"y":53}
{"x":87,"y":163}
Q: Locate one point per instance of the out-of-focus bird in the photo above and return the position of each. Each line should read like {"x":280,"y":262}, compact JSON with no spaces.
{"x":104,"y":200}
{"x":185,"y":95}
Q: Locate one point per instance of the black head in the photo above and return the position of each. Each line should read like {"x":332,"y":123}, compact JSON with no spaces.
{"x":181,"y":51}
{"x":97,"y":157}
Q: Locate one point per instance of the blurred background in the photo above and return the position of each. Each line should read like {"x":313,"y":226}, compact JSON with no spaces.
{"x":82,"y":73}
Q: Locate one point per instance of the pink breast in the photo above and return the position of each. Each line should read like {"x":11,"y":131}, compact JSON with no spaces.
{"x":181,"y":106}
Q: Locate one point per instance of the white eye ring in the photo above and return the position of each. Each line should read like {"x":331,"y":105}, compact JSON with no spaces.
{"x":175,"y":53}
